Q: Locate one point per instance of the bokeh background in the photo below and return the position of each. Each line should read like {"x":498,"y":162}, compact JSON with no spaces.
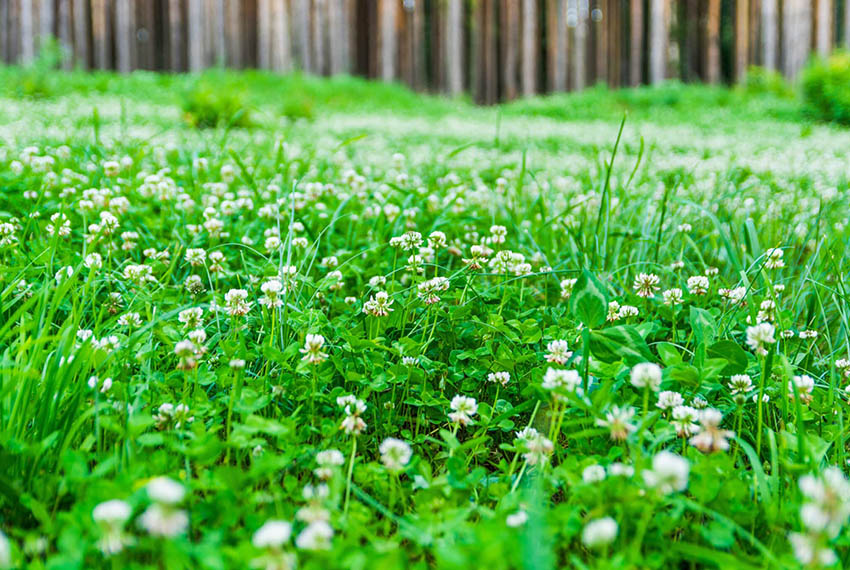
{"x":493,"y":49}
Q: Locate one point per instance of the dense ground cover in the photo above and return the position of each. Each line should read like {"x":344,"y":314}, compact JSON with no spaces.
{"x":371,"y":329}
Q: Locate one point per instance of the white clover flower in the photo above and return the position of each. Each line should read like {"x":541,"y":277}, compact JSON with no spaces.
{"x":535,"y":448}
{"x":557,"y":351}
{"x":517,"y":519}
{"x":5,"y":551}
{"x":110,"y":517}
{"x":773,"y":258}
{"x":273,"y":534}
{"x":698,"y":285}
{"x":593,"y":474}
{"x":668,"y":400}
{"x":646,"y":375}
{"x":379,"y":305}
{"x":801,"y":386}
{"x":669,"y":473}
{"x":312,"y":351}
{"x":759,"y":336}
{"x":463,"y":408}
{"x":395,"y":454}
{"x":166,"y":491}
{"x":501,"y":377}
{"x":710,"y":437}
{"x":618,"y":420}
{"x":316,"y":536}
{"x":561,"y":382}
{"x":672,"y":297}
{"x":599,"y":532}
{"x":236,"y":302}
{"x":808,"y":551}
{"x":163,"y":517}
{"x":684,"y":420}
{"x":740,"y":384}
{"x":646,"y":284}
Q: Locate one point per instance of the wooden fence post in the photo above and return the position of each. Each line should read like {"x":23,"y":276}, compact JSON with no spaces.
{"x":175,"y":35}
{"x":454,"y":47}
{"x":742,"y":38}
{"x":712,"y":38}
{"x":27,"y":32}
{"x":658,"y":32}
{"x":582,"y":13}
{"x":195,"y":34}
{"x":4,"y":27}
{"x":529,"y":47}
{"x":281,"y":42}
{"x":823,"y":27}
{"x":510,"y":42}
{"x":557,"y":49}
{"x":770,"y":34}
{"x":387,"y":16}
{"x":636,"y":42}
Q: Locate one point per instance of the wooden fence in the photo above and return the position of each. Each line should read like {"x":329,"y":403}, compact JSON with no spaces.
{"x":495,"y":49}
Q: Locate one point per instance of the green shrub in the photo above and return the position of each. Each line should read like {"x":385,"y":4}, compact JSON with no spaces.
{"x":826,"y":88}
{"x":207,"y":106}
{"x":297,"y":107}
{"x":763,"y":81}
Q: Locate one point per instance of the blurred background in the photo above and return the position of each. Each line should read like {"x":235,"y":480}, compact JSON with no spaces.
{"x":495,"y":50}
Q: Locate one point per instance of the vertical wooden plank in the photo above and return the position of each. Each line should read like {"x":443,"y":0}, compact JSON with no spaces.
{"x":100,"y":45}
{"x":388,"y":40}
{"x":491,"y":47}
{"x":81,"y":33}
{"x":755,"y":32}
{"x":417,"y":35}
{"x":175,"y":34}
{"x":613,"y":25}
{"x":144,"y":34}
{"x":770,"y":34}
{"x":195,"y":34}
{"x":46,"y":20}
{"x":599,"y":17}
{"x":797,"y":36}
{"x":846,"y":24}
{"x":510,"y":41}
{"x":281,"y":42}
{"x":221,"y":33}
{"x":4,"y":34}
{"x":635,"y":42}
{"x":27,"y":32}
{"x":712,"y":39}
{"x":742,"y":38}
{"x":454,"y":47}
{"x":210,"y":36}
{"x":529,"y":47}
{"x":233,"y":33}
{"x":557,"y":44}
{"x":337,"y":39}
{"x":580,"y":67}
{"x":302,"y":31}
{"x":66,"y":37}
{"x":124,"y":35}
{"x":658,"y":33}
{"x":319,"y":36}
{"x":14,"y":34}
{"x":264,"y":30}
{"x":823,"y":27}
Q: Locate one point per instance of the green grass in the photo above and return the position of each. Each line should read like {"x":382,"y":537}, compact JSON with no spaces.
{"x":298,"y":178}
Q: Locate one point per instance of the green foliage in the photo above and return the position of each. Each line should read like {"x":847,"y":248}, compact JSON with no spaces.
{"x":826,"y":88}
{"x":208,"y":104}
{"x":761,"y":81}
{"x":478,"y":300}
